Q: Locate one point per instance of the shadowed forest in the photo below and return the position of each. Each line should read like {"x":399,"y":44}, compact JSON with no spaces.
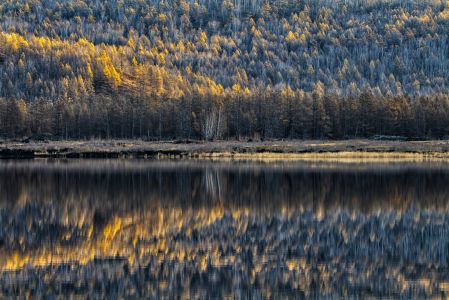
{"x":223,"y":69}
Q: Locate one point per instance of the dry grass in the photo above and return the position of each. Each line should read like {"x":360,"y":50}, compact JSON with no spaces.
{"x":344,"y":151}
{"x":342,"y":157}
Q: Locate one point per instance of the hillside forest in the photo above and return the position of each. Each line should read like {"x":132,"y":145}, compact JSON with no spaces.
{"x":224,"y":69}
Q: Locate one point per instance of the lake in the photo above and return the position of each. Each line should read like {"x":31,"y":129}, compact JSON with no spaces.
{"x":203,"y":229}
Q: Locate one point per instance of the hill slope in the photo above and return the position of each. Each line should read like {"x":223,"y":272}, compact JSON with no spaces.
{"x":224,"y":69}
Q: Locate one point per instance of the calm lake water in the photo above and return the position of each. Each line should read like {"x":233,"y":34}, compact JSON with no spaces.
{"x":190,"y":229}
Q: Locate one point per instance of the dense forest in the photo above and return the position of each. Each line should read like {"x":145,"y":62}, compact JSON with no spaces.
{"x":224,"y":69}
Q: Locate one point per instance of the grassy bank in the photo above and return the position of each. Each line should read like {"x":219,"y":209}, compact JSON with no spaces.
{"x":346,"y":150}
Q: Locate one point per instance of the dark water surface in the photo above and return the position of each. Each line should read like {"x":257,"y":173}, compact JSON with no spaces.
{"x":189,"y":229}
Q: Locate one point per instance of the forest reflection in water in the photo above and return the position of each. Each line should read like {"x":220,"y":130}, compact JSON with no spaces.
{"x":201,"y":229}
{"x":113,"y":186}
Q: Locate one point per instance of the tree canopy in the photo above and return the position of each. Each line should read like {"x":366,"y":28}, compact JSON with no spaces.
{"x":224,"y":69}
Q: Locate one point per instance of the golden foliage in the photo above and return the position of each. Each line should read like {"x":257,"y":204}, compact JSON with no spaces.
{"x":108,"y":69}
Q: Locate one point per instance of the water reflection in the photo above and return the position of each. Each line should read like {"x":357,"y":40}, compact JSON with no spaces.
{"x":213,"y":229}
{"x":126,"y":185}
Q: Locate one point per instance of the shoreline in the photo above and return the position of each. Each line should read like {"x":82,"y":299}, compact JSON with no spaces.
{"x":291,"y":150}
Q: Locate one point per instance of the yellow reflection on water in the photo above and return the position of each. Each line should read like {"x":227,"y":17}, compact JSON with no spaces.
{"x":233,"y":219}
{"x":120,"y":238}
{"x":137,"y":238}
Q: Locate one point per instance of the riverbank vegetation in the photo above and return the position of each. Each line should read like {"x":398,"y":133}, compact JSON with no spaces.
{"x":306,"y":150}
